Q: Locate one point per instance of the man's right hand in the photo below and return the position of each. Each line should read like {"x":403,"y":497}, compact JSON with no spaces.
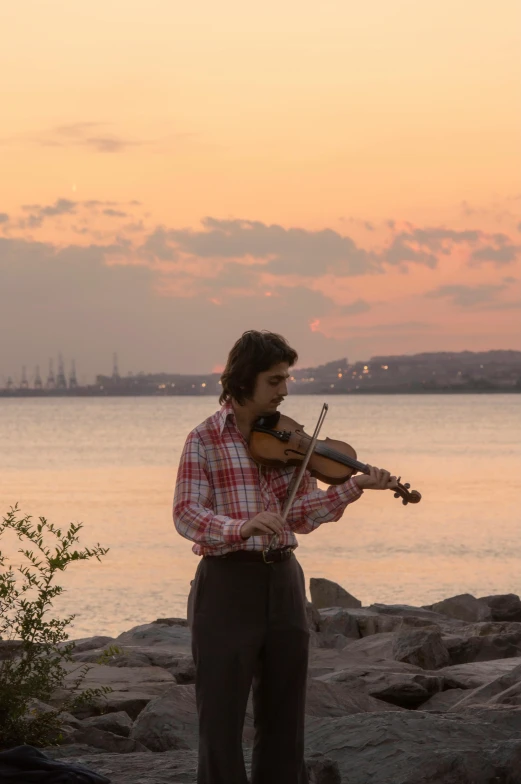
{"x":263,"y":523}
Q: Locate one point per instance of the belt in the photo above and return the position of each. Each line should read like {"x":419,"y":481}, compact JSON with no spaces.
{"x":266,"y":556}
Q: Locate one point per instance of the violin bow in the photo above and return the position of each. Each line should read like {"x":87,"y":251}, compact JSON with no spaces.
{"x":295,"y":483}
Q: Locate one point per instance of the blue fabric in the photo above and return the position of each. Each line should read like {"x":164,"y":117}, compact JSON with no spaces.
{"x":28,"y":765}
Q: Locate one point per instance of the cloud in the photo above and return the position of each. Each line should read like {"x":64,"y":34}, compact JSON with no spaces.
{"x":60,"y":207}
{"x":4,"y":217}
{"x":39,"y":213}
{"x":483,"y":295}
{"x":80,"y":134}
{"x":284,"y":251}
{"x":115,"y":213}
{"x":421,"y":245}
{"x":359,"y":306}
{"x":312,"y":254}
{"x":157,"y":246}
{"x":75,"y":299}
{"x":502,"y":255}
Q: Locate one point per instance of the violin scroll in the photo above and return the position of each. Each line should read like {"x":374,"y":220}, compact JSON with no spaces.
{"x":407,"y":496}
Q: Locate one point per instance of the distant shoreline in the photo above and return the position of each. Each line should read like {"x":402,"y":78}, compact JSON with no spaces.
{"x":104,"y":394}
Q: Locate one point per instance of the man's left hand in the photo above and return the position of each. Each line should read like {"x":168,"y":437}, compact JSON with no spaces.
{"x":377,"y":479}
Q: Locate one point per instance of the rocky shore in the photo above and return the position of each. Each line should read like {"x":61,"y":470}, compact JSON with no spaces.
{"x":397,"y":695}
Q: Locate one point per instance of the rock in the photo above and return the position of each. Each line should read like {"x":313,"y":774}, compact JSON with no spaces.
{"x":9,"y":649}
{"x":169,"y":721}
{"x":329,"y":698}
{"x":485,"y":628}
{"x":177,"y":638}
{"x":422,"y":647}
{"x":506,"y":716}
{"x":375,"y":647}
{"x":407,"y":690}
{"x":92,"y":736}
{"x":133,"y":688}
{"x":483,"y":648}
{"x":172,"y":622}
{"x":413,"y":747}
{"x":313,"y":617}
{"x":442,"y":701}
{"x":36,"y":708}
{"x":476,"y":674}
{"x":407,"y":611}
{"x":368,"y":671}
{"x":327,"y":640}
{"x":89,"y":643}
{"x":173,"y":767}
{"x":181,"y":666}
{"x":463,"y":607}
{"x":322,"y":770}
{"x":118,"y":723}
{"x":335,"y":620}
{"x":491,"y":689}
{"x":371,"y":622}
{"x":503,"y":607}
{"x":325,"y":593}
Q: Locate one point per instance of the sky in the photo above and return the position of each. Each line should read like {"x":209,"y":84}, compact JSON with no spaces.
{"x":172,"y":174}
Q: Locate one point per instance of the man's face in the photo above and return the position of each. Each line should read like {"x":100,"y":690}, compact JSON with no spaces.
{"x":271,"y":388}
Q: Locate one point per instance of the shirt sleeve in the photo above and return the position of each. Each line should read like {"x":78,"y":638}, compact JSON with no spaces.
{"x":192,"y":509}
{"x":313,"y":506}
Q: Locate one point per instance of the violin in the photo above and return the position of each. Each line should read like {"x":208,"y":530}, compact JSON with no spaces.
{"x":278,"y":440}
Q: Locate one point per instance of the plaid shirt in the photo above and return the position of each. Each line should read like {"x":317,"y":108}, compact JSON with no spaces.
{"x":219,"y":487}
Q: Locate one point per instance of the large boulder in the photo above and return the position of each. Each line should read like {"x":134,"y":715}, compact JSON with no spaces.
{"x":177,"y":766}
{"x":483,"y":648}
{"x":372,"y":622}
{"x":421,"y":647}
{"x":118,"y":723}
{"x":442,"y":701}
{"x":494,"y":688}
{"x":463,"y":607}
{"x":108,"y":741}
{"x":132,"y":688}
{"x":329,"y":698}
{"x":169,"y":721}
{"x":407,"y":690}
{"x":503,"y":607}
{"x":412,"y":747}
{"x":476,"y":674}
{"x":335,"y":620}
{"x":325,"y":593}
{"x":172,"y":636}
{"x":89,"y":643}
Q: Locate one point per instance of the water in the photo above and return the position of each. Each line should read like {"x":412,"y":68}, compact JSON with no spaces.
{"x":111,"y":464}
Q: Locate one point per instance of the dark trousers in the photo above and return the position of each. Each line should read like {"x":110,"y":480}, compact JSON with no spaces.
{"x":249,"y":629}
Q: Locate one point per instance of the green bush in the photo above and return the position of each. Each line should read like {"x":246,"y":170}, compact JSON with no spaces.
{"x":33,"y":651}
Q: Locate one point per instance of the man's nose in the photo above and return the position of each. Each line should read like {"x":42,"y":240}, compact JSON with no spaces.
{"x":283,"y":389}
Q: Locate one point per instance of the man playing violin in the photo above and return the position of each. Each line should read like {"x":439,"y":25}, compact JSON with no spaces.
{"x":247,"y":604}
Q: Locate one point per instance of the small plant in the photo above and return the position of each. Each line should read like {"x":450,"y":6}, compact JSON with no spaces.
{"x":32,"y":649}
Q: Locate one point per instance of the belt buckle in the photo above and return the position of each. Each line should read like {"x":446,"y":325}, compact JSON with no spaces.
{"x":264,"y":556}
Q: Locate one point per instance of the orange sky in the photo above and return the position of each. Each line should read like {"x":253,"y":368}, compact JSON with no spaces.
{"x":350,"y":176}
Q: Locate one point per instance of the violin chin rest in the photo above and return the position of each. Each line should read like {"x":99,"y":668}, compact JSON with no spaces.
{"x":269,"y":421}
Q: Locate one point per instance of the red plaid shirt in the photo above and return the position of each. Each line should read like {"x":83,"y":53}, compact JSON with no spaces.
{"x":219,"y":487}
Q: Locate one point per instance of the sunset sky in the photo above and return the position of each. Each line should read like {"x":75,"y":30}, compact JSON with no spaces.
{"x":173,"y":173}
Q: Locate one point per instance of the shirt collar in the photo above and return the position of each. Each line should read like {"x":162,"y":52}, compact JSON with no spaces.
{"x":225,"y":413}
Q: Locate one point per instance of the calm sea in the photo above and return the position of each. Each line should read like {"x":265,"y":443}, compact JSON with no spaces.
{"x":111,"y":464}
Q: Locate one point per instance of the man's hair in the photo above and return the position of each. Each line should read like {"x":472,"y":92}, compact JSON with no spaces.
{"x":254,"y":353}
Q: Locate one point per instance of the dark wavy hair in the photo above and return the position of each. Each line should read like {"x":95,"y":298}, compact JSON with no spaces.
{"x":254,"y":353}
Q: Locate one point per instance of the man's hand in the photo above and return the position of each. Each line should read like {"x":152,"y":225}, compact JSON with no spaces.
{"x":263,"y":523}
{"x":377,"y":479}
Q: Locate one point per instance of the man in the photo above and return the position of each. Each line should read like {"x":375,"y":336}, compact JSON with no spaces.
{"x":247,"y":616}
